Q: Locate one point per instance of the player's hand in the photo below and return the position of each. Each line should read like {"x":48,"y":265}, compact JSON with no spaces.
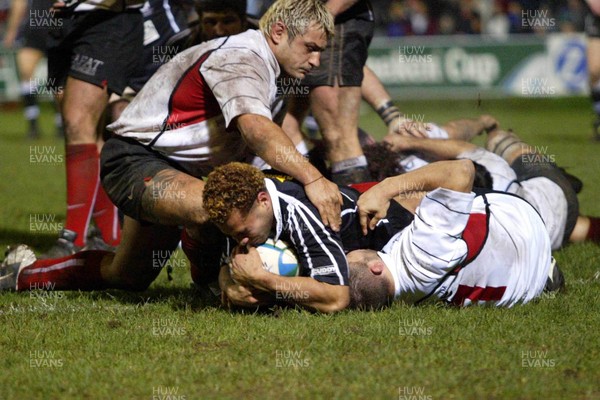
{"x":408,"y":127}
{"x":235,"y":294}
{"x":245,"y":265}
{"x":326,"y":196}
{"x":489,"y":123}
{"x":372,"y":207}
{"x":399,"y":143}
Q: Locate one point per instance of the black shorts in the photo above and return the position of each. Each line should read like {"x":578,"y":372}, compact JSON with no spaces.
{"x":345,"y":56}
{"x":99,"y":47}
{"x":125,"y":167}
{"x":592,"y":25}
{"x":34,"y":30}
{"x":526,"y":170}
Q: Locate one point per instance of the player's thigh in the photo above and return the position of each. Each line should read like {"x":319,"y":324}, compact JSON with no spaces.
{"x":143,"y":250}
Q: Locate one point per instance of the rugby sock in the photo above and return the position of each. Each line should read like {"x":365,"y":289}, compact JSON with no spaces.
{"x":302,"y":148}
{"x":594,"y":231}
{"x":32,"y":110}
{"x":106,"y":217}
{"x":80,"y":271}
{"x":82,"y":185}
{"x":350,"y":163}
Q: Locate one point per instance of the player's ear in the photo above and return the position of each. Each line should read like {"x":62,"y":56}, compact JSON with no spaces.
{"x":376,"y":267}
{"x":263,"y":198}
{"x":278,"y":32}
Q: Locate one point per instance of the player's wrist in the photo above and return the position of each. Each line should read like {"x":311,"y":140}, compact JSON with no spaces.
{"x":388,"y":112}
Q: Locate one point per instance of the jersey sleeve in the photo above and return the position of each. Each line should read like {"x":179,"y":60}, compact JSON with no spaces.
{"x":240,"y":81}
{"x":319,"y":249}
{"x":432,"y":245}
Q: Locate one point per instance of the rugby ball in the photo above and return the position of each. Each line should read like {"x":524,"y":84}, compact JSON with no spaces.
{"x":278,"y":258}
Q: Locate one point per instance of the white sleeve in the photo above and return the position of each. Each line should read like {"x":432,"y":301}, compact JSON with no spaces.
{"x":432,"y":245}
{"x":240,"y":81}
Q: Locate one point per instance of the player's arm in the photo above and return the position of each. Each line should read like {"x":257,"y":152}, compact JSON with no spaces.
{"x":437,"y":149}
{"x":455,"y":175}
{"x":246,"y":269}
{"x":467,"y":128}
{"x":374,"y":93}
{"x":336,"y":7}
{"x":271,"y":143}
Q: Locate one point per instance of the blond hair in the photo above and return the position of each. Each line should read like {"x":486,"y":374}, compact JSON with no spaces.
{"x":297,"y":16}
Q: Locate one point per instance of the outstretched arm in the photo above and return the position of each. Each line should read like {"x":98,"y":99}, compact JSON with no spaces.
{"x":437,"y":149}
{"x":455,"y":175}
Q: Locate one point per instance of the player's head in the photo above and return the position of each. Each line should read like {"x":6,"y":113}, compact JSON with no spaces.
{"x":236,"y":200}
{"x":371,"y":284}
{"x":483,"y":178}
{"x":221,"y":17}
{"x":297,"y":32}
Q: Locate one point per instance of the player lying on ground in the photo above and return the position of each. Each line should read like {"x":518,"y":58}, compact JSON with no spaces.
{"x":461,"y":248}
{"x":201,"y":109}
{"x":250,"y":208}
{"x":514,"y":167}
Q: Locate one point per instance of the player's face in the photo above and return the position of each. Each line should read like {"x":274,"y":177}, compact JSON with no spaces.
{"x":255,"y":227}
{"x":302,"y":54}
{"x":219,"y":24}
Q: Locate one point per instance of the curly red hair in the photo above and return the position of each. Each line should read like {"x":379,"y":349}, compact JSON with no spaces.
{"x":232,"y":186}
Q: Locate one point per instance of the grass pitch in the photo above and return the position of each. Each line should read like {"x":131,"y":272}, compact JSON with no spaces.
{"x":169,"y":342}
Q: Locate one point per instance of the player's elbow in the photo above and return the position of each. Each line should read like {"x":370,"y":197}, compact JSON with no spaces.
{"x":464,"y":174}
{"x":339,"y":301}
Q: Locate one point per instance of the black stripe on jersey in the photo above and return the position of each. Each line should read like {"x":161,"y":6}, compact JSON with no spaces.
{"x":196,"y":64}
{"x":445,"y":206}
{"x":303,"y":220}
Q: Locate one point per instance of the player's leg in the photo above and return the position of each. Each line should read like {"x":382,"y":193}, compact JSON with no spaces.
{"x":586,"y":229}
{"x":82,"y":106}
{"x":336,"y":111}
{"x":94,"y":70}
{"x":27,"y":60}
{"x":138,"y":261}
{"x":336,"y":94}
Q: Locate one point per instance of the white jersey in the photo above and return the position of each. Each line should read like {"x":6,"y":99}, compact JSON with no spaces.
{"x":489,"y":249}
{"x":543,"y":194}
{"x":185,"y":110}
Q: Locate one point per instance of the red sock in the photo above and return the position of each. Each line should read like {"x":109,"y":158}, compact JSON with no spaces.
{"x":80,"y":271}
{"x":106,"y":218}
{"x":204,"y":264}
{"x":594,"y":231}
{"x":82,"y":184}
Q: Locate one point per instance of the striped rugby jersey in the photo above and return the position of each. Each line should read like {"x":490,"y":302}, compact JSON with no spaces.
{"x":321,"y":251}
{"x":185,"y":110}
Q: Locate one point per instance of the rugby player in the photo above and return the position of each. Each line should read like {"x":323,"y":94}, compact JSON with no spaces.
{"x":250,"y":208}
{"x":208,"y":105}
{"x":514,"y":167}
{"x":29,"y":36}
{"x":461,"y":248}
{"x":92,"y":52}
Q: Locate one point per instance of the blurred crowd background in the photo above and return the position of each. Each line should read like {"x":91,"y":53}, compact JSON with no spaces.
{"x":446,"y":17}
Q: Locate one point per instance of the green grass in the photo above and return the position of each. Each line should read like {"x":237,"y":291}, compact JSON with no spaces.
{"x":172,"y":340}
